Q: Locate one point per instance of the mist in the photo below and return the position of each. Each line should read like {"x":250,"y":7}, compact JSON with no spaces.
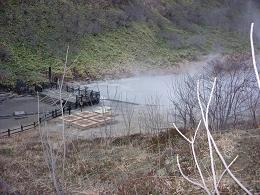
{"x":140,"y":89}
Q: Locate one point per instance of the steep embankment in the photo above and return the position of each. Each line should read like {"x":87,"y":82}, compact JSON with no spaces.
{"x":111,"y":37}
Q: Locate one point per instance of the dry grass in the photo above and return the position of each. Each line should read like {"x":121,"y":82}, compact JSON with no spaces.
{"x":23,"y":166}
{"x":126,"y":165}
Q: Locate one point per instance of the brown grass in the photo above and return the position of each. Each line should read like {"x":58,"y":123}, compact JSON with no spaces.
{"x":126,"y":165}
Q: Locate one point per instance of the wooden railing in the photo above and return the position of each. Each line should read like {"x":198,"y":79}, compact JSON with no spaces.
{"x":47,"y":116}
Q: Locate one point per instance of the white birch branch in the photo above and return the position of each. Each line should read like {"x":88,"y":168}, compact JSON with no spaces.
{"x":253,"y":54}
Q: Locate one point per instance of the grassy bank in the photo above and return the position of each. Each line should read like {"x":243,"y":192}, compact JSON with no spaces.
{"x":118,"y":51}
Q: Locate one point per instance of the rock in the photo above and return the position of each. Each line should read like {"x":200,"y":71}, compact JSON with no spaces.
{"x":19,"y":113}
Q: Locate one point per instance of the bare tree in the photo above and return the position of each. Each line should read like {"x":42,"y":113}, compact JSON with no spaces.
{"x":153,"y":120}
{"x":253,"y":100}
{"x":231,"y":102}
{"x":184,"y":104}
{"x":127,"y":111}
{"x":153,"y":116}
{"x":212,"y":146}
{"x":48,"y":146}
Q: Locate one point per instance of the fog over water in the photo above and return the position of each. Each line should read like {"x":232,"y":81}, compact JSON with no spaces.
{"x":146,"y":89}
{"x":138,"y":89}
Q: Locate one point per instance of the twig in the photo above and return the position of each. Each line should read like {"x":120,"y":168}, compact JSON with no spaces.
{"x":192,"y":142}
{"x":211,"y":140}
{"x":253,"y":54}
{"x":223,"y":173}
{"x":62,"y":115}
{"x":211,"y":143}
{"x":187,"y":178}
{"x":205,"y":120}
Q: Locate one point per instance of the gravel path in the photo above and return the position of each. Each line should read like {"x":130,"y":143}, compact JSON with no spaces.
{"x":28,"y":104}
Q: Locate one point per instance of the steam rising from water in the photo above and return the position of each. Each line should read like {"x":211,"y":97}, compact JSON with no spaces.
{"x":140,"y":89}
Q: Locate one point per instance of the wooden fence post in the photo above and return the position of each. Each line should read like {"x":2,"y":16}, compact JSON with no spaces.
{"x":69,"y":108}
{"x":77,"y":100}
{"x":9,"y":133}
{"x":55,"y":113}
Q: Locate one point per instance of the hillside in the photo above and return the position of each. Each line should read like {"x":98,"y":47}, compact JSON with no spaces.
{"x":112,"y":37}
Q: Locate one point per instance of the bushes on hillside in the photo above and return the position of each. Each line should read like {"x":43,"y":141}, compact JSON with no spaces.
{"x":175,"y":40}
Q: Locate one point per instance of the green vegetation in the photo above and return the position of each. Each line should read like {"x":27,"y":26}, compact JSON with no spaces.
{"x":6,"y":151}
{"x":109,"y":37}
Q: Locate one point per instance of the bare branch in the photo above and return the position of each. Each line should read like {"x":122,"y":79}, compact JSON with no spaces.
{"x":223,"y":173}
{"x":205,"y":119}
{"x":187,"y":178}
{"x":253,"y":54}
{"x":182,"y":134}
{"x":62,"y":115}
{"x":211,"y":140}
{"x":227,"y":168}
{"x":196,"y":131}
{"x":194,"y":155}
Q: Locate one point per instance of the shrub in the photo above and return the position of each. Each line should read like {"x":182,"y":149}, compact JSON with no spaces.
{"x":174,"y":39}
{"x":5,"y":53}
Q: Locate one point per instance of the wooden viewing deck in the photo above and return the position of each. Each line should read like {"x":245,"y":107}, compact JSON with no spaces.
{"x":73,"y":96}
